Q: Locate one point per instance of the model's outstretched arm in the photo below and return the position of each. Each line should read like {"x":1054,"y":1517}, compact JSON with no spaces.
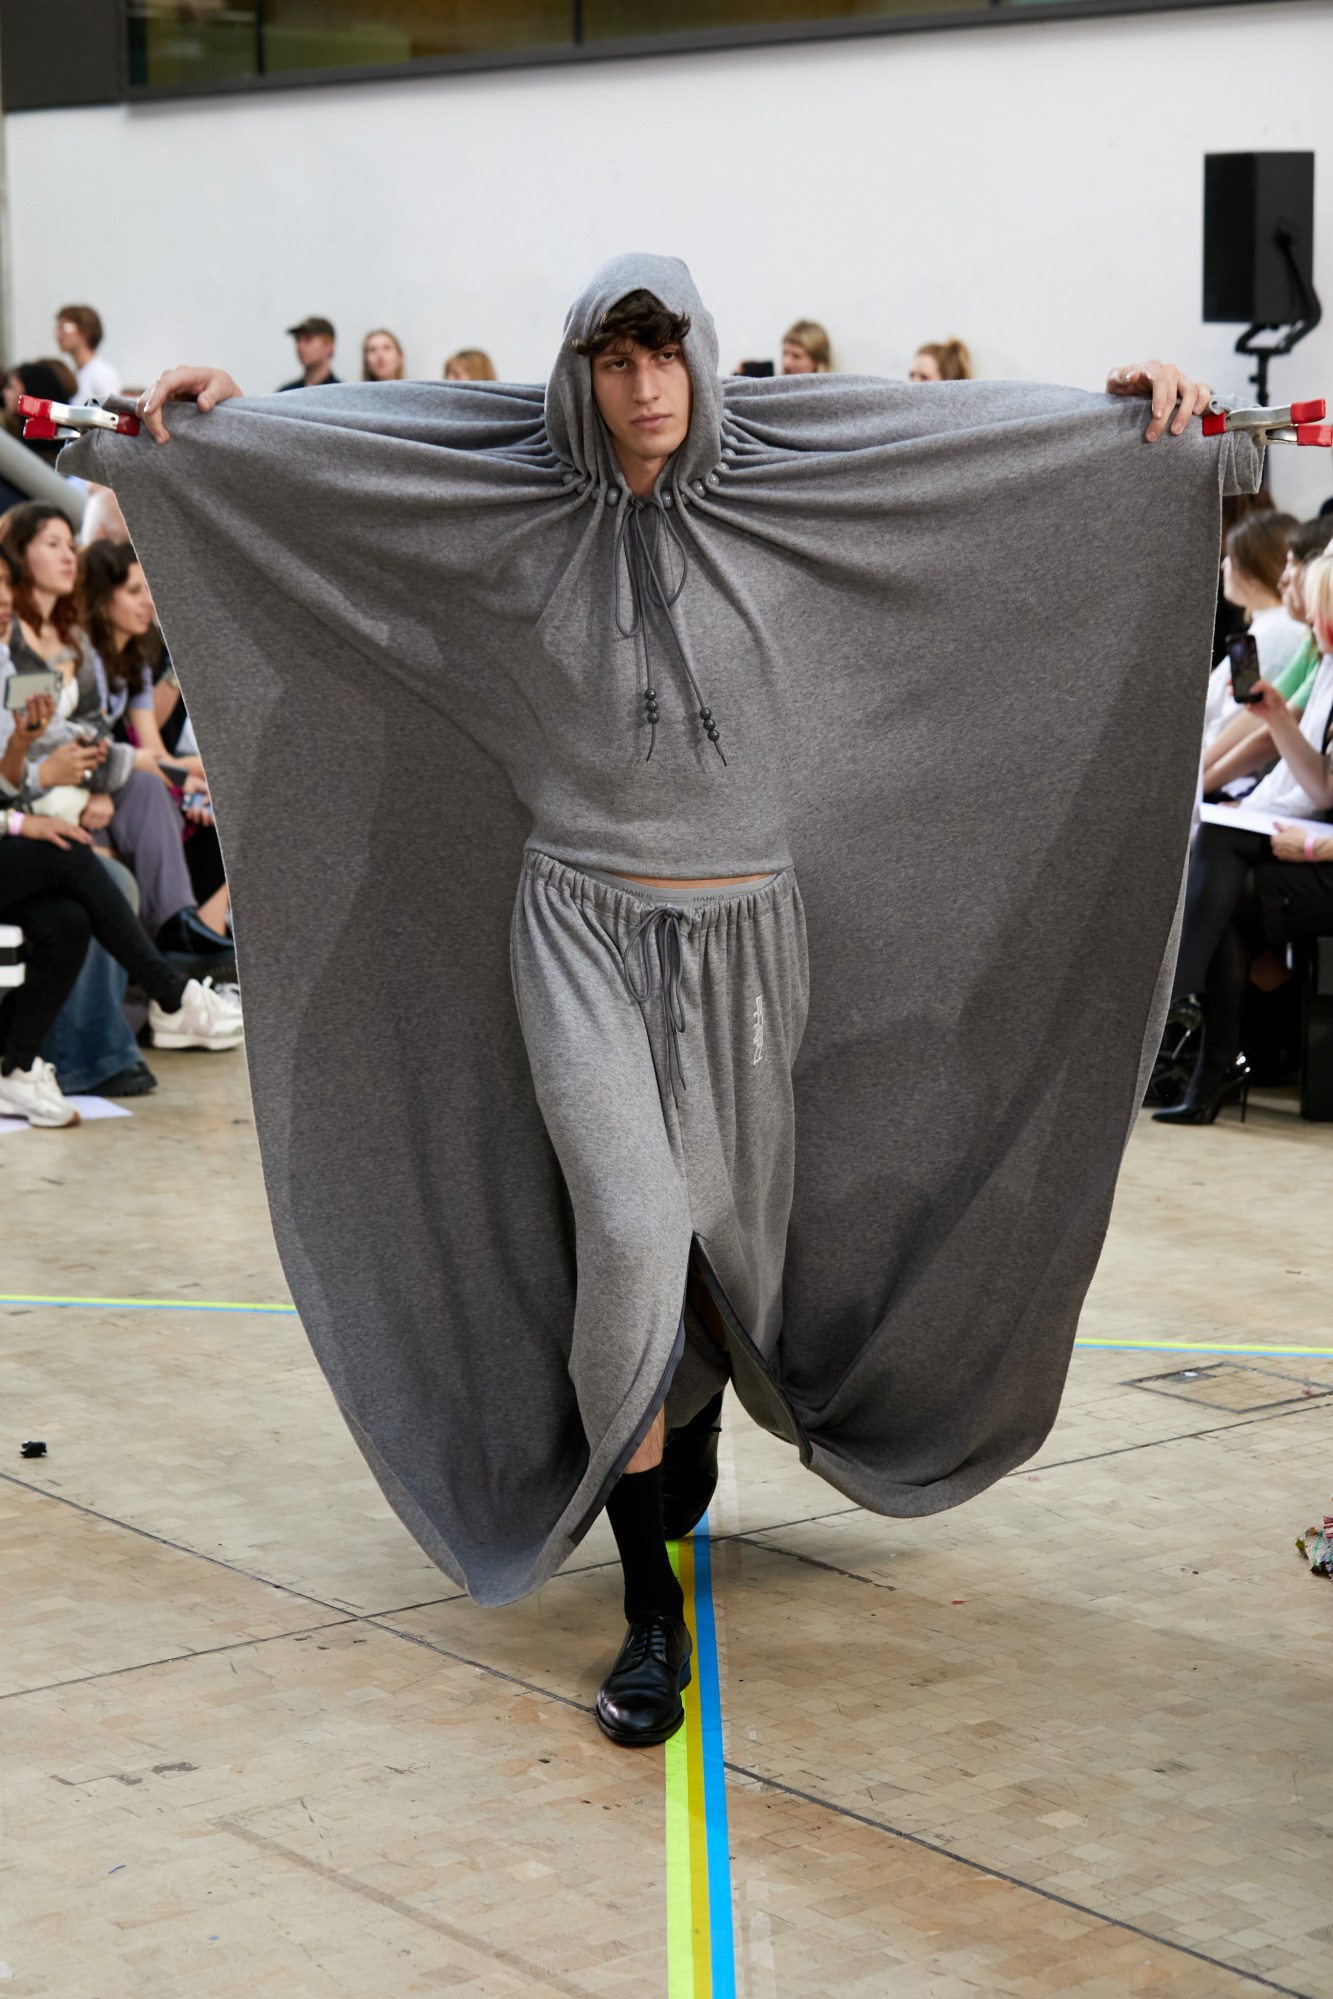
{"x":206,"y":386}
{"x":1170,"y":388}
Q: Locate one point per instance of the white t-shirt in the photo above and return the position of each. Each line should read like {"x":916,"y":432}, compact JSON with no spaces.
{"x":97,"y":380}
{"x":1279,"y":638}
{"x":1280,"y":792}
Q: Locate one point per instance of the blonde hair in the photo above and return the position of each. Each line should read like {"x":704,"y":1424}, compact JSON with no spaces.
{"x":808,"y":333}
{"x":950,"y":357}
{"x":475,"y":362}
{"x":1319,"y":589}
{"x":366,"y":375}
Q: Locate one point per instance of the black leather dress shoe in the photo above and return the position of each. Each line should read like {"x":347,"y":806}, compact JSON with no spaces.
{"x":689,"y":1470}
{"x":639,"y":1703}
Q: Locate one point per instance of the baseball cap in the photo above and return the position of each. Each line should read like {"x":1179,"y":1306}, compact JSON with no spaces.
{"x":313,"y":324}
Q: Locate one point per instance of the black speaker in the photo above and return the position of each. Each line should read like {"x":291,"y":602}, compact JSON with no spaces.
{"x":1251,"y":202}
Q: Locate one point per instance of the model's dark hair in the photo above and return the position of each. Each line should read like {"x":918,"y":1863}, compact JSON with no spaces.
{"x":106,"y":565}
{"x":18,"y":526}
{"x":639,"y":316}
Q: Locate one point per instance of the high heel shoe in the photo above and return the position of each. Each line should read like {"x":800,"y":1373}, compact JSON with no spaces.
{"x":1200,"y":1105}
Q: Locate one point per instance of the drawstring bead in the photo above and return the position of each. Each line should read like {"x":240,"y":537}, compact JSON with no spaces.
{"x":711,"y":730}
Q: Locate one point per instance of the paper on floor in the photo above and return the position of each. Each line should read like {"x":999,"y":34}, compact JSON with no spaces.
{"x":89,"y":1109}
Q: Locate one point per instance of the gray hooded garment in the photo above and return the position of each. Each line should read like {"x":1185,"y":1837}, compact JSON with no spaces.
{"x":956,"y":642}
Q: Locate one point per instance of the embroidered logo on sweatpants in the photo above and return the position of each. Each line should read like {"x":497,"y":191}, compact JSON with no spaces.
{"x":758,"y":1029}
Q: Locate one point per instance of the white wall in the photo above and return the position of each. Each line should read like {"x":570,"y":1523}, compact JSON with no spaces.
{"x":1036,"y":189}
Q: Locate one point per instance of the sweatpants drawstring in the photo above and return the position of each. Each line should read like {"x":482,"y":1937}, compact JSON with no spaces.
{"x":659,"y":930}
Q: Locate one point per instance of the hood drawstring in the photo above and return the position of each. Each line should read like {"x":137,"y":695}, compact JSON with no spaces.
{"x":661,"y":925}
{"x":637,"y":547}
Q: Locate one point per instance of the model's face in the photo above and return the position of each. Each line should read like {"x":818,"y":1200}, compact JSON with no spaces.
{"x":645,"y":397}
{"x":384,"y":357}
{"x":13,"y":390}
{"x":313,"y":348}
{"x":454,"y":371}
{"x":796,"y":360}
{"x":67,"y":336}
{"x":51,"y":558}
{"x":925,"y":368}
{"x":6,"y":599}
{"x":130,"y":606}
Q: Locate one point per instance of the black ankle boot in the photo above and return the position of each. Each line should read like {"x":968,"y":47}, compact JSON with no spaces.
{"x":1207,"y":1093}
{"x":639,"y":1703}
{"x":689,"y":1470}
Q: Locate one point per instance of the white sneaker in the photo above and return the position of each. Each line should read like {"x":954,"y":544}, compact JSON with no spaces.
{"x":35,"y":1095}
{"x":207,"y":1017}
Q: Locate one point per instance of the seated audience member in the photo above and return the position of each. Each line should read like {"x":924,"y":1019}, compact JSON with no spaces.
{"x":382,"y":357}
{"x":79,"y":338}
{"x":806,"y":349}
{"x":1255,"y":557}
{"x":72,"y":769}
{"x":1243,"y":745}
{"x":1245,"y":891}
{"x":92,"y":1046}
{"x":470,"y":364}
{"x":30,"y":378}
{"x":55,"y":888}
{"x":941,"y":361}
{"x":119,"y":618}
{"x":315,"y":340}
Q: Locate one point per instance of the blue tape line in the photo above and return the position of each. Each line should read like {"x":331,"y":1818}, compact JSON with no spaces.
{"x":715,"y":1775}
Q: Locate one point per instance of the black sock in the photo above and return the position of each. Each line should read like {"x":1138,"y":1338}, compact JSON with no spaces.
{"x":635,"y":1512}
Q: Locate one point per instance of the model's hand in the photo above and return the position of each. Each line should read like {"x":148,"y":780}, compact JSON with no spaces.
{"x":1170,"y":388}
{"x":33,"y":721}
{"x":72,"y":763}
{"x":97,"y":814}
{"x":205,"y":386}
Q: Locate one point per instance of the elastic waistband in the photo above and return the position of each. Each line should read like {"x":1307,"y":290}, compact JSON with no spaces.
{"x":702,"y":904}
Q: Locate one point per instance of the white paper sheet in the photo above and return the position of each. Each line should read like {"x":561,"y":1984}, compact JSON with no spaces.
{"x":1261,"y":822}
{"x":89,"y":1109}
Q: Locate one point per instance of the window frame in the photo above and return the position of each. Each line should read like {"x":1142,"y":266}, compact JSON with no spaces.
{"x":984,"y":14}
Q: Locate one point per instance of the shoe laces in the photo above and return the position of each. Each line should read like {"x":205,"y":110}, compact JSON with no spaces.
{"x":648,"y":1635}
{"x":44,"y":1079}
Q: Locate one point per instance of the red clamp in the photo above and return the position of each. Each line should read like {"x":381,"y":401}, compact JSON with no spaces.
{"x":1293,"y":423}
{"x":47,"y":419}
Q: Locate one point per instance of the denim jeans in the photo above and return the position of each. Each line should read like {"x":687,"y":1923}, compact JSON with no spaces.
{"x":91,"y":1040}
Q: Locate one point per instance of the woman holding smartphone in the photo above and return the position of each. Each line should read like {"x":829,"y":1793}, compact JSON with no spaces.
{"x":122,"y":799}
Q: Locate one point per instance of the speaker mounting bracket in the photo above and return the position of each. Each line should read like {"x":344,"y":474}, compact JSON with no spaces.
{"x":1308,"y":317}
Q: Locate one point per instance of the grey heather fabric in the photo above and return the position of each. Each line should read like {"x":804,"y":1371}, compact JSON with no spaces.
{"x":956,"y":637}
{"x":650,"y":1160}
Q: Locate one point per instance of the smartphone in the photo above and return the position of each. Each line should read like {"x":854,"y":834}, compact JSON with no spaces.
{"x":20,"y":687}
{"x":762,"y":369}
{"x":1244,"y":656}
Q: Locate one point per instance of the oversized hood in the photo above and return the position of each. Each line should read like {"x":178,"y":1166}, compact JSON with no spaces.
{"x":573,"y":423}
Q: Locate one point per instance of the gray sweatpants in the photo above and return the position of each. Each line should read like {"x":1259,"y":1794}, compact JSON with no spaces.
{"x":661,"y":1028}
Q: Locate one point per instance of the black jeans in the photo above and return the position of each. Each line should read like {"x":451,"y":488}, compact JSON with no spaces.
{"x":1239,"y":903}
{"x":60,"y":897}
